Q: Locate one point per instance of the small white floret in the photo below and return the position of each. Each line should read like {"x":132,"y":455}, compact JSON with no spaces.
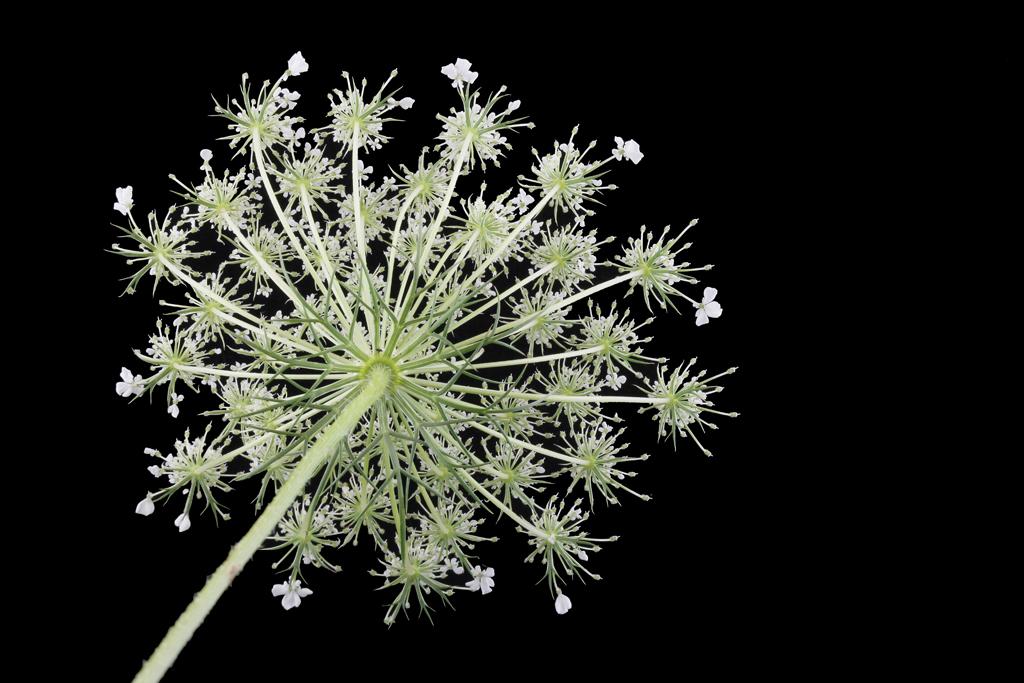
{"x":297,"y":64}
{"x":130,"y":385}
{"x":708,"y":307}
{"x":291,"y":594}
{"x":124,"y":200}
{"x":483,"y":580}
{"x":145,"y":506}
{"x":459,"y":72}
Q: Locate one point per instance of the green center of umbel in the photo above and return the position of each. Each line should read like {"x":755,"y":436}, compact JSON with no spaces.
{"x":380,"y":369}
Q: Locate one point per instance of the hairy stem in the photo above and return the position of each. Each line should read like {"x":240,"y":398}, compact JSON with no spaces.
{"x":376,"y":384}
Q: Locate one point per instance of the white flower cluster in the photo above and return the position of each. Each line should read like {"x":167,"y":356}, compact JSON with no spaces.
{"x":393,"y":355}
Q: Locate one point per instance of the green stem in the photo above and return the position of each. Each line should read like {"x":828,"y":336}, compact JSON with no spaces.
{"x":377,"y":382}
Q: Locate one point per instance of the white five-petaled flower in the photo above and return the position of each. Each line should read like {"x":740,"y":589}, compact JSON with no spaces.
{"x":124,"y":200}
{"x":297,"y":64}
{"x":293,"y":593}
{"x":145,"y":506}
{"x":483,"y":580}
{"x":129,"y":384}
{"x":183,"y":522}
{"x":708,"y":307}
{"x":459,"y":72}
{"x":406,"y":102}
{"x":453,"y":565}
{"x":627,"y":150}
{"x":173,"y":409}
{"x":615,"y":381}
{"x":562,"y":603}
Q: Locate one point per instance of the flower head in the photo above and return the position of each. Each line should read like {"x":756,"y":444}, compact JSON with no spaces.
{"x":401,"y":357}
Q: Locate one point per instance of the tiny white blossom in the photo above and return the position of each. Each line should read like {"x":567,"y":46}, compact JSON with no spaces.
{"x":453,"y":565}
{"x":512,"y":106}
{"x":205,"y":154}
{"x":708,"y":307}
{"x":632,"y":150}
{"x":459,"y":72}
{"x":615,"y":381}
{"x":483,"y":580}
{"x":406,"y":102}
{"x":183,"y":522}
{"x":297,"y":65}
{"x":173,"y":409}
{"x":292,"y":592}
{"x":562,"y":603}
{"x":145,"y":506}
{"x":129,"y":385}
{"x":124,"y":200}
{"x":628,"y":149}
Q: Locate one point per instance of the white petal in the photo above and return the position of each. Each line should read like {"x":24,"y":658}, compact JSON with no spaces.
{"x":713,"y":309}
{"x":450,"y":71}
{"x":632,"y":150}
{"x":205,"y":154}
{"x":406,"y":102}
{"x":290,"y":600}
{"x":145,"y":507}
{"x":183,"y":523}
{"x":709,"y":294}
{"x":279,"y":589}
{"x":562,"y":603}
{"x":297,"y":65}
{"x":702,"y":317}
{"x":305,"y":592}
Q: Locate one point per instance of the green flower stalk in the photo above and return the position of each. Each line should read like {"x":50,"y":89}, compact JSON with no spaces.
{"x":398,"y":360}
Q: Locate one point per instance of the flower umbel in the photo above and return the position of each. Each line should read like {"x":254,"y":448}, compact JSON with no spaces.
{"x":396,"y":354}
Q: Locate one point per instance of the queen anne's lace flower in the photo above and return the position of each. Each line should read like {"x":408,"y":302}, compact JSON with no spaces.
{"x":399,"y":355}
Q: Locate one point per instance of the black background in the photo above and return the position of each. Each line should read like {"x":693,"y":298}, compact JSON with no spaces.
{"x":730,"y":564}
